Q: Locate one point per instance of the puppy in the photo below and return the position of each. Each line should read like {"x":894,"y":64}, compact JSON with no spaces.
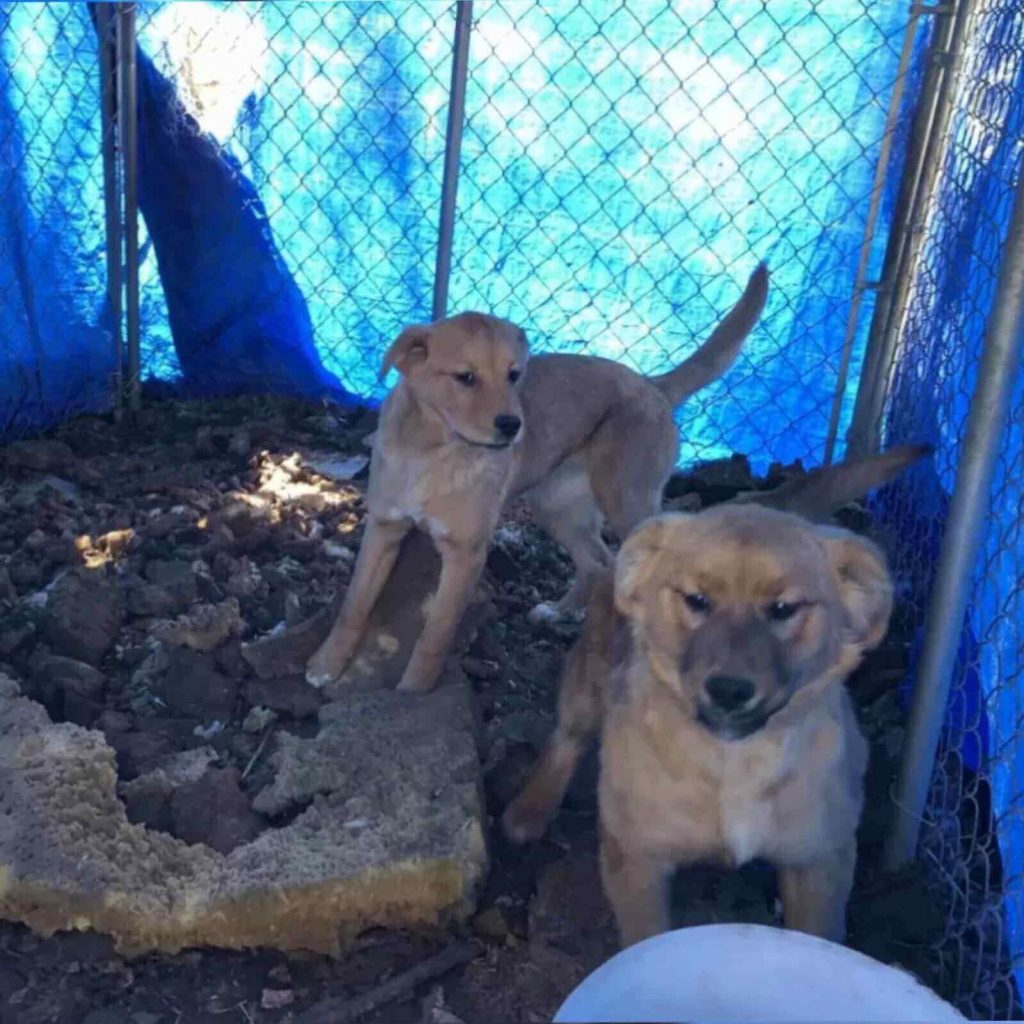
{"x":712,"y":664}
{"x":599,"y":443}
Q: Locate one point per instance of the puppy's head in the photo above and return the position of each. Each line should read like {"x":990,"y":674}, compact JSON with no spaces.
{"x":738,"y":607}
{"x":467,"y":369}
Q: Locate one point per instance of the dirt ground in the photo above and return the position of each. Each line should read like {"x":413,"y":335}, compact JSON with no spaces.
{"x":261,"y":502}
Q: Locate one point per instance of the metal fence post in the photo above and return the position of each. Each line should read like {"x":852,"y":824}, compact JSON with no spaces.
{"x":860,"y":283}
{"x":920,"y":172}
{"x":127,"y":110}
{"x":452,"y":156}
{"x":105,"y":32}
{"x":968,"y":514}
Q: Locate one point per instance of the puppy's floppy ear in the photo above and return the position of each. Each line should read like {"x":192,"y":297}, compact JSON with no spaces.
{"x":637,"y":560}
{"x":408,"y":349}
{"x":865,"y":586}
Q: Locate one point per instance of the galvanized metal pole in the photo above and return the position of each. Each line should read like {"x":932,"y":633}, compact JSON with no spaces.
{"x":860,"y":283}
{"x":965,"y":528}
{"x":111,"y":188}
{"x":127,"y":109}
{"x":921,"y":170}
{"x":452,"y":155}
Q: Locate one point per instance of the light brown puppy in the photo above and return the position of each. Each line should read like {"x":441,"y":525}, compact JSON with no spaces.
{"x":599,"y":443}
{"x":712,"y":665}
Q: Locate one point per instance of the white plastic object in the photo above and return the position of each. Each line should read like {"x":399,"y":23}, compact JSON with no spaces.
{"x":742,"y":972}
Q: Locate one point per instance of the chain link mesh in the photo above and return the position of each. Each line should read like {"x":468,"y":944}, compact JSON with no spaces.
{"x":336,"y":113}
{"x":51,"y":197}
{"x":623,"y":169}
{"x":972,"y":833}
{"x":626,"y":165}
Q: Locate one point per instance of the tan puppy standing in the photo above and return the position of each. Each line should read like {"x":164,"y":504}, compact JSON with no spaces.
{"x":598,"y":445}
{"x":712,"y":665}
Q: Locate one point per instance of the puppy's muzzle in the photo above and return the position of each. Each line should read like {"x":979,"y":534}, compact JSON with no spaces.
{"x":729,"y":709}
{"x":507,"y":427}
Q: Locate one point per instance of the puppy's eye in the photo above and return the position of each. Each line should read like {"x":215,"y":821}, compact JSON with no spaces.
{"x":782,"y":611}
{"x":697,"y":603}
{"x":514,"y":375}
{"x":467,"y":378}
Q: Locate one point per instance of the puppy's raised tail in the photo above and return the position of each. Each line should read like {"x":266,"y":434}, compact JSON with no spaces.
{"x":823,"y":492}
{"x":719,"y":352}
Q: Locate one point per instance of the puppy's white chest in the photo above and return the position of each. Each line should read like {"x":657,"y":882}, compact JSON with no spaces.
{"x":746,"y":812}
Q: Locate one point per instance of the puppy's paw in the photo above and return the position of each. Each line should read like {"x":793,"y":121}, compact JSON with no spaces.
{"x":321,"y":670}
{"x":554,"y":611}
{"x":415,"y":684}
{"x":318,"y":680}
{"x":523,"y":822}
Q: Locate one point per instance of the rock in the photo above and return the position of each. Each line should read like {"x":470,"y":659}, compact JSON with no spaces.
{"x":139,"y":752}
{"x":214,"y":811}
{"x":16,"y":627}
{"x":193,"y":688}
{"x":569,"y":911}
{"x":276,"y":998}
{"x":400,"y":845}
{"x":8,"y":591}
{"x":25,"y":572}
{"x":491,"y":924}
{"x":147,"y":798}
{"x":336,"y":467}
{"x":148,"y":807}
{"x":715,"y":481}
{"x":106,"y":1015}
{"x":230,"y":661}
{"x":506,"y":780}
{"x":83,"y":616}
{"x":503,"y":565}
{"x":291,"y":695}
{"x":204,"y":628}
{"x":689,"y":502}
{"x":117,"y":543}
{"x":258,"y":719}
{"x":114,"y":723}
{"x":434,"y":1009}
{"x":164,"y":524}
{"x":147,"y":600}
{"x":177,"y":578}
{"x":285,"y":653}
{"x":81,"y":710}
{"x":43,"y":456}
{"x":246,"y":581}
{"x":51,"y":673}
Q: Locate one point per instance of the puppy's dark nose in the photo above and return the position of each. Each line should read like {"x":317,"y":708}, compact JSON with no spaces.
{"x":507,"y":426}
{"x":728,"y":693}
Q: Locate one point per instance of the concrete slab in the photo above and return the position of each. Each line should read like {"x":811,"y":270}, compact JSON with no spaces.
{"x":390,"y":834}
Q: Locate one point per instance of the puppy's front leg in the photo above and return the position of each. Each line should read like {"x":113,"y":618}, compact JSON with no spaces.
{"x":461,"y":566}
{"x":814,"y":895}
{"x":637,"y":886}
{"x":376,"y":559}
{"x":579,"y":718}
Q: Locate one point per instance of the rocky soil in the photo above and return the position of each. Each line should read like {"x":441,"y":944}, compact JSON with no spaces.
{"x":139,"y":563}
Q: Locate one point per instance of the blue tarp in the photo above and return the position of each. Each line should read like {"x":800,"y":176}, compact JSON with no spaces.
{"x":601,"y":204}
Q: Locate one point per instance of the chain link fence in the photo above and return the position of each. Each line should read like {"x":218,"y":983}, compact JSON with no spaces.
{"x":971,"y":835}
{"x":622,"y":169}
{"x":51,"y":197}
